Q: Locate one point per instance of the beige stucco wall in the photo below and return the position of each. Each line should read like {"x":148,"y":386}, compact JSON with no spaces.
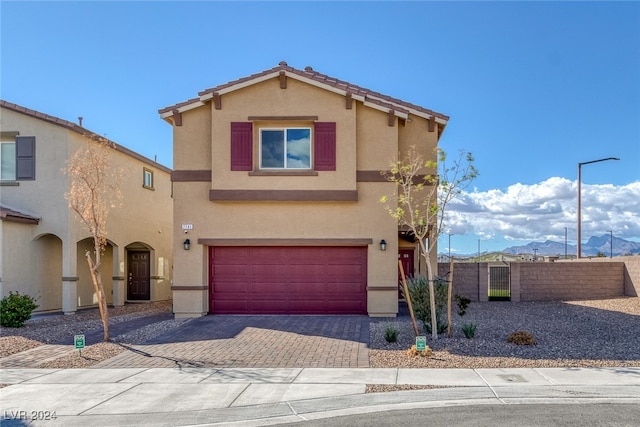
{"x":365,"y":142}
{"x":377,"y":145}
{"x":145,"y":216}
{"x":267,"y":99}
{"x":192,"y":140}
{"x":33,"y":266}
{"x":46,"y":193}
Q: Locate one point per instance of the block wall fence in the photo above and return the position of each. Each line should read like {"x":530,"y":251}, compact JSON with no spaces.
{"x":588,"y":278}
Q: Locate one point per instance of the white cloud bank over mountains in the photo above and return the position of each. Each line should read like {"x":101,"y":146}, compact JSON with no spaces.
{"x":542,"y":211}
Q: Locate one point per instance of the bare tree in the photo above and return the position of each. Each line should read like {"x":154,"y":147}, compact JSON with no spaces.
{"x":93,"y":191}
{"x":421,"y":199}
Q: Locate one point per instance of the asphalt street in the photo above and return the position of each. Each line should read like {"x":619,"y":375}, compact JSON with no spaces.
{"x":524,"y":415}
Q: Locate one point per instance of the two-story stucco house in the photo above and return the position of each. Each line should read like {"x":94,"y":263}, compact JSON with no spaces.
{"x":277,"y":190}
{"x":43,"y":244}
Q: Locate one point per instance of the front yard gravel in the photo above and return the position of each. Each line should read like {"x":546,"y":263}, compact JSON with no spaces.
{"x":44,"y":329}
{"x":593,"y":333}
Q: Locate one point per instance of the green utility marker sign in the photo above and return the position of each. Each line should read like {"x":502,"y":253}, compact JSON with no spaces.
{"x":421,"y":343}
{"x":79,"y":340}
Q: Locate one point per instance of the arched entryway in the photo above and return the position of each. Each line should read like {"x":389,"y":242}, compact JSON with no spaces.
{"x":86,"y":293}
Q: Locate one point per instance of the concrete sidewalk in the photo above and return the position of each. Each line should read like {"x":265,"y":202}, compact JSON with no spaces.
{"x":263,"y":396}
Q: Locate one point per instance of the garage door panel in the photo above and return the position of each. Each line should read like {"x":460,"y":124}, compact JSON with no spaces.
{"x":237,"y":306}
{"x":307,"y":270}
{"x":349,"y":307}
{"x":269,"y":288}
{"x":345,"y":288}
{"x":294,"y":280}
{"x":268,"y":307}
{"x":227,"y":270}
{"x":231,"y":288}
{"x":267,"y":270}
{"x":306,"y":307}
{"x":308,"y":290}
{"x":231,"y":255}
{"x":342,"y":268}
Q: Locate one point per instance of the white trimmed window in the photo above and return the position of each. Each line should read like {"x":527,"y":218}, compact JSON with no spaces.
{"x":147,"y":178}
{"x":285,"y":148}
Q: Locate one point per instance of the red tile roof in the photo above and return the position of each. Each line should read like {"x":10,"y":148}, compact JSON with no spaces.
{"x":308,"y":74}
{"x":78,"y":129}
{"x":7,"y":214}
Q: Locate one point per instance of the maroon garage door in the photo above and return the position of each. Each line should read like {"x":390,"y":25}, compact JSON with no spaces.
{"x":288,"y":280}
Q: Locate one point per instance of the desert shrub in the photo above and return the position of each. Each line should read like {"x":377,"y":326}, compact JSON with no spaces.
{"x":15,"y":309}
{"x":469,"y":330}
{"x":391,"y":333}
{"x":419,"y":293}
{"x":521,"y":338}
{"x":463,"y":303}
{"x":413,"y":351}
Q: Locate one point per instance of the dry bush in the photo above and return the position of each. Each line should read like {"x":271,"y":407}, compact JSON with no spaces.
{"x":521,"y":338}
{"x":413,"y":351}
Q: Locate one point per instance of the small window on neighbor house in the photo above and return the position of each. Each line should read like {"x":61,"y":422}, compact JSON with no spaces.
{"x":147,"y":178}
{"x":17,"y":157}
{"x":7,"y":160}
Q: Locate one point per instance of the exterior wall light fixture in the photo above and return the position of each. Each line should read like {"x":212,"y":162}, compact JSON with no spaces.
{"x":186,"y":244}
{"x":383,"y":245}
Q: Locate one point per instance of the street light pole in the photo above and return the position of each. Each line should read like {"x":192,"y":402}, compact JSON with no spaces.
{"x":565,"y":243}
{"x":611,"y":243}
{"x":579,"y":243}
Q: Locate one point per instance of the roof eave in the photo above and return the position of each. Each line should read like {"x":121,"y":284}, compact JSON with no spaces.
{"x":367,"y":97}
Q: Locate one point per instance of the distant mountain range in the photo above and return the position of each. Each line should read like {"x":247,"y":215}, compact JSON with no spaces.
{"x":594,"y":246}
{"x":591,"y":248}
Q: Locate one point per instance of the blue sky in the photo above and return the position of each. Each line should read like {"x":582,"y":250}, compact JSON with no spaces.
{"x":532,"y":89}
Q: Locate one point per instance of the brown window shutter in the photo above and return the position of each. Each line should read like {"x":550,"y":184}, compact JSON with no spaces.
{"x":241,"y":146}
{"x":25,"y":158}
{"x":324,"y":151}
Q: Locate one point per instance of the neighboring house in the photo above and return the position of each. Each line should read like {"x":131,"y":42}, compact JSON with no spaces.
{"x":277,"y":190}
{"x":43,"y":243}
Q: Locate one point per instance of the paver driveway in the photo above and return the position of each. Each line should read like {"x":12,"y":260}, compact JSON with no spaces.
{"x":256,"y":342}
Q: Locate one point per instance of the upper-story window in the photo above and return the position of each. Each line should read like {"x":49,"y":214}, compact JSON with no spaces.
{"x":7,"y":160}
{"x":147,"y":178}
{"x":285,"y":148}
{"x":17,"y":158}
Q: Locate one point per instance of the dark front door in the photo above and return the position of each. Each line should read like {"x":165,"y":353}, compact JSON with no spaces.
{"x":406,"y":256}
{"x":138,"y":275}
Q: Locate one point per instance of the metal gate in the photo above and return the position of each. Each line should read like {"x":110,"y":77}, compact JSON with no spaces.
{"x":499,"y":283}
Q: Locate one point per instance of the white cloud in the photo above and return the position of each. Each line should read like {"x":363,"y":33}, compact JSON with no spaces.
{"x":543,"y":210}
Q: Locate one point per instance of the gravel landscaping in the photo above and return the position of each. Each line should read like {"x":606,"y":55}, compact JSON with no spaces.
{"x":593,"y":333}
{"x":46,"y":328}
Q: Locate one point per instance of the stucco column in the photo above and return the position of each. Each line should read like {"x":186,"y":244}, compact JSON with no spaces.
{"x":69,"y":277}
{"x":483,"y":281}
{"x":433,"y":257}
{"x":515,"y":281}
{"x":190,"y":287}
{"x":119,"y":291}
